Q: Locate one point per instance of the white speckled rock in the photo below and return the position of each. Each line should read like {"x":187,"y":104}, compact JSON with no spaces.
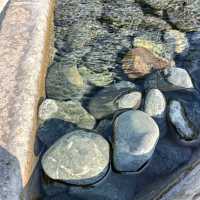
{"x":70,"y":111}
{"x":179,"y":120}
{"x":178,"y":77}
{"x":130,"y":100}
{"x":79,"y":158}
{"x":155,"y":106}
{"x":135,"y":137}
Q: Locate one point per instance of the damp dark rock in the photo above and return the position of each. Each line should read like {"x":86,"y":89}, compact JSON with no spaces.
{"x":53,"y":129}
{"x":80,"y":158}
{"x":105,"y":102}
{"x":134,"y":142}
{"x":105,"y":129}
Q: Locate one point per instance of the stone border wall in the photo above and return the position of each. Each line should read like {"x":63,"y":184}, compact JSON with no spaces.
{"x":25,"y":52}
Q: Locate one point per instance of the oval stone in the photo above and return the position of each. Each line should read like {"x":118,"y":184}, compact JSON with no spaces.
{"x":79,"y":158}
{"x":155,"y":106}
{"x":135,"y":137}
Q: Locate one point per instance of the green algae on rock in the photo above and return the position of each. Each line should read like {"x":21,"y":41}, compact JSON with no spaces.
{"x":64,"y":81}
{"x":70,"y":111}
{"x":98,"y":79}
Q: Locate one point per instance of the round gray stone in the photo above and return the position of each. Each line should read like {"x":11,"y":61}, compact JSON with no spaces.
{"x":155,"y":106}
{"x":135,"y":137}
{"x":79,"y":158}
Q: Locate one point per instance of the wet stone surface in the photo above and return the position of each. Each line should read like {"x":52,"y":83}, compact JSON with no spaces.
{"x":122,"y":112}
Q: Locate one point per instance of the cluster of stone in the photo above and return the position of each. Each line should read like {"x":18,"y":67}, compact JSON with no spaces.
{"x":123,"y":81}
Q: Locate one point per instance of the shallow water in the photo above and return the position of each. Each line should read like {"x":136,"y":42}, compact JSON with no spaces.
{"x":97,"y":35}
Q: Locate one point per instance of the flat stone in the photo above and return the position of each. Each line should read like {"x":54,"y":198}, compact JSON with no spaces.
{"x":105,"y":103}
{"x":130,"y":100}
{"x":169,"y":80}
{"x":70,"y":111}
{"x":69,"y":159}
{"x":139,"y":62}
{"x":25,"y":52}
{"x":178,"y":118}
{"x":112,"y":187}
{"x":135,"y":137}
{"x":155,"y":106}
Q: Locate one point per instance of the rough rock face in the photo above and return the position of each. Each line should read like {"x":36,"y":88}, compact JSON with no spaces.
{"x":155,"y":106}
{"x":98,"y":79}
{"x":134,"y":142}
{"x":140,"y":61}
{"x":113,"y":13}
{"x":63,"y":80}
{"x":158,"y":4}
{"x":152,"y":41}
{"x":185,"y":14}
{"x":177,"y":38}
{"x":69,"y":159}
{"x":185,"y":129}
{"x":170,"y":79}
{"x":105,"y":102}
{"x":70,"y":111}
{"x":104,"y":52}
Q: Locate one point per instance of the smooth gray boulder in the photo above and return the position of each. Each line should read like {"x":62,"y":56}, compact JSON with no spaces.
{"x":135,"y":137}
{"x":80,"y":158}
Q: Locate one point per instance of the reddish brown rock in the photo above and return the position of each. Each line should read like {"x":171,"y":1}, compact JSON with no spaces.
{"x":140,"y":61}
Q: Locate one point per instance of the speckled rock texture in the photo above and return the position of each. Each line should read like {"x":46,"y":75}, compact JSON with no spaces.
{"x":69,"y":159}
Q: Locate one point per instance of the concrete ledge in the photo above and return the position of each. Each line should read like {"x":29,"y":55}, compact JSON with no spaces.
{"x":25,"y":50}
{"x":3,"y":4}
